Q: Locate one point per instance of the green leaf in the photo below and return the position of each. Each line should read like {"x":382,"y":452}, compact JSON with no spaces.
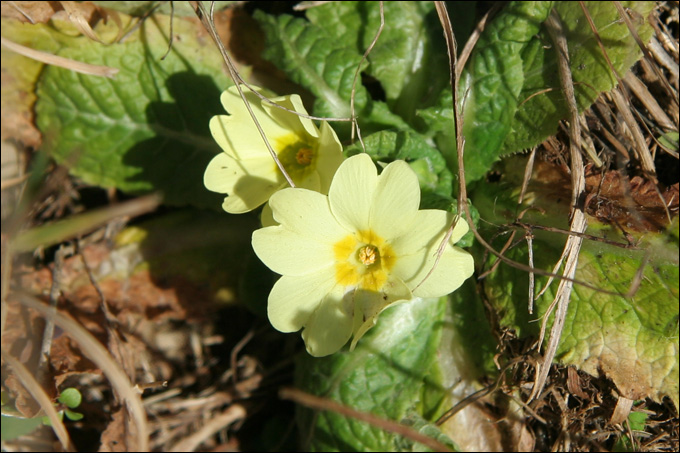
{"x":541,"y":101}
{"x":385,"y":375}
{"x":325,"y":66}
{"x":14,"y":427}
{"x":70,"y":397}
{"x":670,"y":140}
{"x":637,"y":421}
{"x":73,"y":416}
{"x":147,"y":128}
{"x":409,"y":58}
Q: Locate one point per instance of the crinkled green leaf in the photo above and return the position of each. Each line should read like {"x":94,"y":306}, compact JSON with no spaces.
{"x":634,"y":341}
{"x":147,"y":128}
{"x":490,"y":87}
{"x":541,"y":102}
{"x":409,"y":58}
{"x":325,"y":66}
{"x":385,"y":375}
{"x":511,"y":84}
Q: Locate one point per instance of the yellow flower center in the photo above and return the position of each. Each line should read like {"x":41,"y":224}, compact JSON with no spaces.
{"x":304,"y":156}
{"x":297,"y":156}
{"x":364,"y":260}
{"x":367,"y":255}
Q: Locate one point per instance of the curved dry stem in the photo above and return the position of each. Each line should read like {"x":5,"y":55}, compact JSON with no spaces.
{"x":34,"y":388}
{"x":355,"y":125}
{"x":101,"y":357}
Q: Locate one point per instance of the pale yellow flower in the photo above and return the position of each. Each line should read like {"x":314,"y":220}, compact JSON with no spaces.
{"x":347,"y":256}
{"x":246,"y":172}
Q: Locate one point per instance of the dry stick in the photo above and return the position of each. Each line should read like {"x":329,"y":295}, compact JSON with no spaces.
{"x":94,"y":350}
{"x":48,"y":331}
{"x":172,"y":35}
{"x":77,"y":18}
{"x":23,"y":13}
{"x":642,"y":149}
{"x":217,"y":423}
{"x":642,"y":93}
{"x":355,"y":124}
{"x":664,"y":59}
{"x":315,"y":402}
{"x":235,"y":352}
{"x":34,"y":388}
{"x":590,"y":237}
{"x":528,"y":170}
{"x":578,"y":218}
{"x":645,"y":51}
{"x":111,"y":321}
{"x":641,"y":145}
{"x":55,"y":60}
{"x":588,"y":143}
{"x":624,"y":107}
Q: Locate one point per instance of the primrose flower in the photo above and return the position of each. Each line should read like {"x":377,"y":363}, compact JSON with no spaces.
{"x":246,"y":172}
{"x":347,"y":256}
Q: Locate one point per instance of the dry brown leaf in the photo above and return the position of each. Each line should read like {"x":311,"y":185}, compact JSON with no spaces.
{"x":113,"y":438}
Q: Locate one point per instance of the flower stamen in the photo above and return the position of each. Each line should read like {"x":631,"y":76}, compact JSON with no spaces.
{"x":367,"y":255}
{"x":304,"y":156}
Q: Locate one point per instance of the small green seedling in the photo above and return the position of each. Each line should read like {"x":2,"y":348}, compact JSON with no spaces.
{"x":14,"y":425}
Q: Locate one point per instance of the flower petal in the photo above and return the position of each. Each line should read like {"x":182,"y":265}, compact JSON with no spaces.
{"x":233,"y":103}
{"x":291,"y":121}
{"x":248,"y":185}
{"x":237,"y":133}
{"x":267,"y":216}
{"x":329,"y":327}
{"x":287,"y":252}
{"x":293,"y":299}
{"x":310,"y":181}
{"x":454,"y":267}
{"x":308,"y":214}
{"x":351,"y":192}
{"x":329,"y":156}
{"x":238,"y":136}
{"x":369,"y":304}
{"x":396,"y":200}
{"x":427,"y":231}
